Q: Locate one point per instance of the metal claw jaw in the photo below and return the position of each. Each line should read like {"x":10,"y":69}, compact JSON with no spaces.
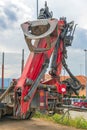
{"x":37,"y":30}
{"x":32,"y":47}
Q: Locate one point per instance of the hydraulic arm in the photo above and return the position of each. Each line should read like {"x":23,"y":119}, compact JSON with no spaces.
{"x":47,"y":39}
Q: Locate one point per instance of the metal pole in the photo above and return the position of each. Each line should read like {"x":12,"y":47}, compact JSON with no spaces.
{"x":80,"y":69}
{"x":86,"y":70}
{"x":37,"y":8}
{"x":22,"y":66}
{"x":3,"y":70}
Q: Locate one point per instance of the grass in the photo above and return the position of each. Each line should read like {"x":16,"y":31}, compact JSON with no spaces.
{"x":57,"y":118}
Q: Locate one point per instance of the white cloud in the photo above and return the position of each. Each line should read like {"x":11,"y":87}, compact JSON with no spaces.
{"x":76,"y":61}
{"x":72,"y":9}
{"x":11,"y":35}
{"x":12,"y":64}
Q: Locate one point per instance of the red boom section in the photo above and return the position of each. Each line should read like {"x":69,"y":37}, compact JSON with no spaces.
{"x":33,"y":68}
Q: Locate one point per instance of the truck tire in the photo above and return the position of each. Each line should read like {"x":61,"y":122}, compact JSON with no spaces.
{"x":0,"y":114}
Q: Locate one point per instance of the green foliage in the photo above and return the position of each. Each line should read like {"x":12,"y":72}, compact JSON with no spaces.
{"x":83,"y":97}
{"x":78,"y":96}
{"x":57,"y":118}
{"x":81,"y":123}
{"x":38,"y":115}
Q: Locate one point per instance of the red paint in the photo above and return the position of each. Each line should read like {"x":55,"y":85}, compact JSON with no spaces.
{"x":3,"y":70}
{"x":42,"y":101}
{"x":34,"y":65}
{"x":61,"y":88}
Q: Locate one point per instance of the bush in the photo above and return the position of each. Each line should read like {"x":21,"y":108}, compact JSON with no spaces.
{"x":38,"y":115}
{"x":65,"y":120}
{"x":81,"y":123}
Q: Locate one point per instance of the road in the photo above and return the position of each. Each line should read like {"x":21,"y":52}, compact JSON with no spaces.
{"x":75,"y":114}
{"x":33,"y":124}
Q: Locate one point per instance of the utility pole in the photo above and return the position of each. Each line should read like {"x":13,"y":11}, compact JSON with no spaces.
{"x":3,"y":70}
{"x":22,"y":62}
{"x":86,"y":69}
{"x":37,"y":8}
{"x":80,"y":69}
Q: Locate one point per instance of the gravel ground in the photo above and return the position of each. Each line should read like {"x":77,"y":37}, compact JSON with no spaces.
{"x":33,"y":124}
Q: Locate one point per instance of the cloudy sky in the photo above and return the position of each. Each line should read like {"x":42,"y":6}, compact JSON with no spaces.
{"x":15,"y":12}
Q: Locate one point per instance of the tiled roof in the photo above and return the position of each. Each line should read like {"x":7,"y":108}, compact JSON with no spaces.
{"x":47,"y":77}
